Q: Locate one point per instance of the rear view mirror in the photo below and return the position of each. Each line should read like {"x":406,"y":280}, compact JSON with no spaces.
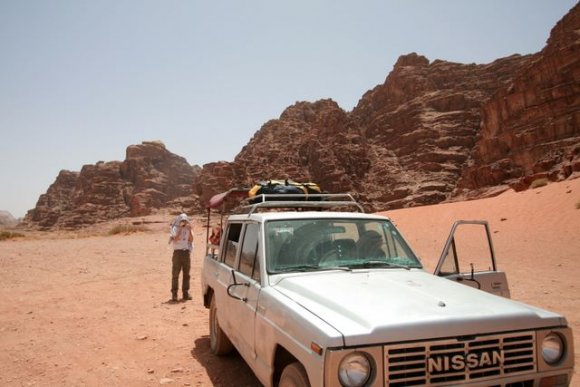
{"x":234,"y":285}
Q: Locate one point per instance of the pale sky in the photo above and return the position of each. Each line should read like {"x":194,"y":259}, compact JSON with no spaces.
{"x":80,"y":80}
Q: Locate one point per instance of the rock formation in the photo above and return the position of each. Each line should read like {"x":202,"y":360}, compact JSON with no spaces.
{"x":432,"y":132}
{"x":55,"y":202}
{"x":404,"y":144}
{"x":422,"y":125}
{"x":530,"y":128}
{"x":149,"y":178}
{"x":309,"y":142}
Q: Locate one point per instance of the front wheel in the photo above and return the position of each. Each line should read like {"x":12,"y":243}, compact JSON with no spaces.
{"x":294,"y":375}
{"x":219,"y":342}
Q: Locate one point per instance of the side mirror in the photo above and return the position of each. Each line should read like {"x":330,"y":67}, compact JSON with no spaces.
{"x":235,"y":284}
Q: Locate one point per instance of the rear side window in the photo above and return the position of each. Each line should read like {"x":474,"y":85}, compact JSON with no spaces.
{"x":249,"y":257}
{"x":232,"y":243}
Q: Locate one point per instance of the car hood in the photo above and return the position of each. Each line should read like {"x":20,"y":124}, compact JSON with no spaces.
{"x":399,"y":305}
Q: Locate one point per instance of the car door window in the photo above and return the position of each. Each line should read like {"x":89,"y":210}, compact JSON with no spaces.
{"x":468,"y":250}
{"x":249,"y":254}
{"x":232,"y":242}
{"x":468,"y":258}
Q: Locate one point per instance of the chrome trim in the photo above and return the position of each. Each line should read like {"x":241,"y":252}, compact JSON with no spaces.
{"x":457,"y":361}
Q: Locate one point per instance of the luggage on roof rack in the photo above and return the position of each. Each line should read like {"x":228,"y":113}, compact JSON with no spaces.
{"x":299,"y":202}
{"x":272,"y":188}
{"x":280,"y":194}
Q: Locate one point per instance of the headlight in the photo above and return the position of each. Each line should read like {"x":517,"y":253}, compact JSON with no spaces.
{"x":552,"y":348}
{"x":354,"y":370}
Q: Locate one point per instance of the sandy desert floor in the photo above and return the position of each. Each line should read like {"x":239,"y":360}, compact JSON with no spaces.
{"x":88,"y":309}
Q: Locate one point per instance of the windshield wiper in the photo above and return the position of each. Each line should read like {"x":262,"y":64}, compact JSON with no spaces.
{"x":377,"y":263}
{"x":298,"y":268}
{"x":306,"y":268}
{"x":344,"y":268}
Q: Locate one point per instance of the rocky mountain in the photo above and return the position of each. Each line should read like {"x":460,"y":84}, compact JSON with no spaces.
{"x":404,"y":143}
{"x":423,"y":123}
{"x":530,"y":128}
{"x":433,"y":131}
{"x":149,"y":178}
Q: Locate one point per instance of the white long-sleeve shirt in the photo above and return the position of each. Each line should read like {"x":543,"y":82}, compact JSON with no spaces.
{"x":180,"y":238}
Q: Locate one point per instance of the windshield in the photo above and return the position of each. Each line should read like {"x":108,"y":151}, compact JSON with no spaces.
{"x":324,"y":244}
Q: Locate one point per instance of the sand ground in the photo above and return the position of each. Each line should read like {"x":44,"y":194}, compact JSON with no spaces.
{"x":89,"y":309}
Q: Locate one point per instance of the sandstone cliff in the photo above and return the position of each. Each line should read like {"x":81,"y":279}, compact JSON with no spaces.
{"x":149,"y":178}
{"x":432,"y":132}
{"x":530,"y":128}
{"x":422,"y":124}
{"x":404,"y":144}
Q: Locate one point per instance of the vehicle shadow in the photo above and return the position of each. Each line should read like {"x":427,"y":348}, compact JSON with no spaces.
{"x":228,"y":371}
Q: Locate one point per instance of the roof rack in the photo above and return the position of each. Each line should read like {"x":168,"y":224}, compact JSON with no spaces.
{"x":298,"y":201}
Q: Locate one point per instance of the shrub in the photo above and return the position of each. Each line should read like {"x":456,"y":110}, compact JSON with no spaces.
{"x":4,"y":235}
{"x":539,"y":183}
{"x":126,"y":229}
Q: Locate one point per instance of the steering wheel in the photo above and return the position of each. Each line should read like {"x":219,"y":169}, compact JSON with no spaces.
{"x":328,"y":256}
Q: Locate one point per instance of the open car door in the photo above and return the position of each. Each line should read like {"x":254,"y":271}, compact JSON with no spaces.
{"x":468,"y":257}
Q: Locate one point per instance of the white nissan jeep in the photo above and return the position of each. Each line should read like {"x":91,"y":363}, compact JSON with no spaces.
{"x":318,"y":293}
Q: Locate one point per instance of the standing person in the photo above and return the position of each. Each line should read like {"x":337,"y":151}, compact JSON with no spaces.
{"x":182,"y":237}
{"x":214,"y":239}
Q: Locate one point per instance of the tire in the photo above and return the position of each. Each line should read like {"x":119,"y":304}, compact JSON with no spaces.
{"x":294,"y":375}
{"x":219,"y":342}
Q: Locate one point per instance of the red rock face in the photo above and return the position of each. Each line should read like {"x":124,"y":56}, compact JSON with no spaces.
{"x":150,"y":178}
{"x":530,"y":128}
{"x":310,"y":142}
{"x":156,"y":177}
{"x":56,"y":202}
{"x":404,"y":144}
{"x":421,"y":126}
{"x":432,"y":132}
{"x":215,"y":178}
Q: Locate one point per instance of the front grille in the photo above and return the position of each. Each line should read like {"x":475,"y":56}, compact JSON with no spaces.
{"x":459,"y":360}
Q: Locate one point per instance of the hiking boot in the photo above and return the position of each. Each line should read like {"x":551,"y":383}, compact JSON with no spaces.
{"x":173,"y":297}
{"x":186,"y":296}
